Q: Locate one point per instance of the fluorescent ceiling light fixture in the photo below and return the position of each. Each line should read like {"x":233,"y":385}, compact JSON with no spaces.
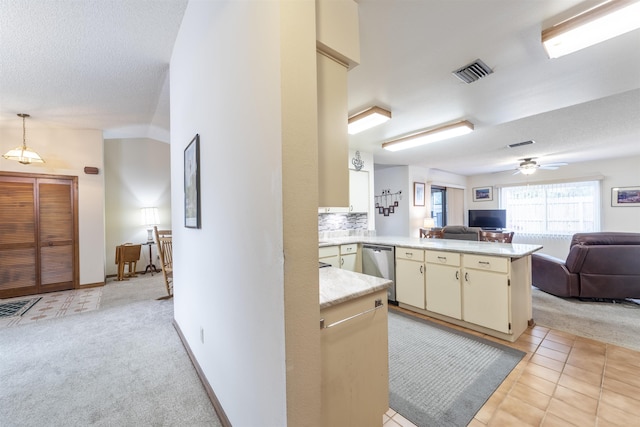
{"x":367,"y":119}
{"x":600,"y":23}
{"x":431,"y":135}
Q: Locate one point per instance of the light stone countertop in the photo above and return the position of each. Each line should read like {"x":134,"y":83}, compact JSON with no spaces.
{"x":507,"y":250}
{"x":337,"y":285}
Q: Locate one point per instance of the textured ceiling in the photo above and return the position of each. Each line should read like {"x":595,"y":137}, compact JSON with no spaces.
{"x":97,"y":64}
{"x":104,"y":64}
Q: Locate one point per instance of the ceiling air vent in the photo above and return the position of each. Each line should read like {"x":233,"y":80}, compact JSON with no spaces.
{"x":472,"y":72}
{"x":520,"y":144}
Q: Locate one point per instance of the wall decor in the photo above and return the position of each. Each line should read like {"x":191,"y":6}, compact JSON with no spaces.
{"x":387,"y":202}
{"x":625,"y":196}
{"x":192,"y":183}
{"x":482,"y":194}
{"x":418,"y":194}
{"x":357,"y":161}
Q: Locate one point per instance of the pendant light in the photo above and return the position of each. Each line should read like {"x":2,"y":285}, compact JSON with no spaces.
{"x":23,"y":154}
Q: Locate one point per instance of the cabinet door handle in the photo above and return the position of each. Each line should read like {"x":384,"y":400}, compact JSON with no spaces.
{"x":420,"y":269}
{"x":457,"y":275}
{"x":341,"y":261}
{"x":466,"y":277}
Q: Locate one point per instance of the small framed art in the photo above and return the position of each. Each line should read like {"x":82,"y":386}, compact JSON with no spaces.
{"x":625,"y":196}
{"x":192,"y":183}
{"x":482,"y":194}
{"x":418,"y":194}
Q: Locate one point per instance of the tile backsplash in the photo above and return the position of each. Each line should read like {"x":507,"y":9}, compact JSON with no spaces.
{"x":329,"y":222}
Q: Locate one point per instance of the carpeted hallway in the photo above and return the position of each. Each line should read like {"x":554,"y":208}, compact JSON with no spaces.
{"x":121,"y":364}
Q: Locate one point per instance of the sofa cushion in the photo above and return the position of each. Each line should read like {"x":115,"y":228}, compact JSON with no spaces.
{"x":605,"y":238}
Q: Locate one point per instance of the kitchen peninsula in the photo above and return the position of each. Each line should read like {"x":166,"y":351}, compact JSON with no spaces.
{"x":483,"y":286}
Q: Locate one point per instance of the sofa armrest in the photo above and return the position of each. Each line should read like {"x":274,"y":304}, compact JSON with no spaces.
{"x":550,"y":274}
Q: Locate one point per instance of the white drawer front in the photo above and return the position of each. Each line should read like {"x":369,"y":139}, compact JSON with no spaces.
{"x":444,"y":258}
{"x":348,"y":249}
{"x":328,"y":251}
{"x":488,"y":263}
{"x":411,"y":254}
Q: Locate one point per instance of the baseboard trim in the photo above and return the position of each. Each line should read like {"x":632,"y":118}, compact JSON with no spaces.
{"x":90,"y":285}
{"x":212,"y":396}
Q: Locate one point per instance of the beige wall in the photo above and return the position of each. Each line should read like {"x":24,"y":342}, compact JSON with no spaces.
{"x":67,"y":152}
{"x":137,"y":174}
{"x":246,"y":284}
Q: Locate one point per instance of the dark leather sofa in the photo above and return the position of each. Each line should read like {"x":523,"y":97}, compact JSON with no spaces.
{"x":599,"y":265}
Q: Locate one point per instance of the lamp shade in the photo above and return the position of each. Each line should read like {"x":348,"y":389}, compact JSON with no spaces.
{"x":429,"y":223}
{"x":149,"y":216}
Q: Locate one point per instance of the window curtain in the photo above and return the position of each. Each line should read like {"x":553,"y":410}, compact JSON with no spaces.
{"x":552,"y":210}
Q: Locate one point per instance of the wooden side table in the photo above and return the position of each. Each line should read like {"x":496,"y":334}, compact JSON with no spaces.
{"x":151,"y":266}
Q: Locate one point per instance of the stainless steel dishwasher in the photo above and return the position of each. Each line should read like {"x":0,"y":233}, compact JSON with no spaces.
{"x":379,"y":261}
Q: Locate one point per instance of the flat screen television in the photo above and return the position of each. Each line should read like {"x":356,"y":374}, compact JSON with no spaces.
{"x":488,"y":219}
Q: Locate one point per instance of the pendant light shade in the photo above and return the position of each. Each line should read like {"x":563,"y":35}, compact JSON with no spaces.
{"x":22,"y":153}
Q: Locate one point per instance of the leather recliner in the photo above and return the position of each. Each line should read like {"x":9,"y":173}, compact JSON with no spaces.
{"x":599,"y":265}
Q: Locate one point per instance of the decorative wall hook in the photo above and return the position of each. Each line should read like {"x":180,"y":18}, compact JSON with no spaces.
{"x":357,"y":162}
{"x":387,"y":202}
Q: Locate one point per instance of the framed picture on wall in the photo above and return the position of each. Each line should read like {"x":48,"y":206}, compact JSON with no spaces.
{"x":418,"y":194}
{"x":625,"y":196}
{"x":192,"y":183}
{"x":482,"y":194}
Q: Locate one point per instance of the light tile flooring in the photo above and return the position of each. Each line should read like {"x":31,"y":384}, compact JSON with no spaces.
{"x":55,"y":304}
{"x":564,"y":380}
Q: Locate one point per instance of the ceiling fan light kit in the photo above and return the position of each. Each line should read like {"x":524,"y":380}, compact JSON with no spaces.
{"x":603,"y":22}
{"x":430,"y":135}
{"x":22,"y":153}
{"x":367,"y":119}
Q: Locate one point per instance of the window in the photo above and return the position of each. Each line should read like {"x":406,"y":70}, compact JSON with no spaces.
{"x":552,"y":210}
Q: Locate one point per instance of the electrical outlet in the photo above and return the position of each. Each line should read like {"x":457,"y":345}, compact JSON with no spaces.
{"x":201,"y":334}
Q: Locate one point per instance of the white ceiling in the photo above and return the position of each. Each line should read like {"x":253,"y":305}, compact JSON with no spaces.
{"x":103,"y":64}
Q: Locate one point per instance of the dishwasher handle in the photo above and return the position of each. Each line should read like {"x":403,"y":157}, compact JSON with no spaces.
{"x":378,"y":248}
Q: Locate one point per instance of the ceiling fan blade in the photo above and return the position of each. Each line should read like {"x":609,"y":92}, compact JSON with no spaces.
{"x":517,"y":171}
{"x":554,"y":165}
{"x":548,"y":167}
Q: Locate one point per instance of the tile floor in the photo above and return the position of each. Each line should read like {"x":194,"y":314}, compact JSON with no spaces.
{"x":56,"y":304}
{"x":563,"y":380}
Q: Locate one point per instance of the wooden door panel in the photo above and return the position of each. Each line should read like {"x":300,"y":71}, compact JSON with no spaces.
{"x":17,"y":272}
{"x":57,"y":264}
{"x":56,"y":219}
{"x":56,"y":234}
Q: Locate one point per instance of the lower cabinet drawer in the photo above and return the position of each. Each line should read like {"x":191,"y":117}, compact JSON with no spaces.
{"x":410,"y":254}
{"x":327,"y":251}
{"x":444,"y":258}
{"x":487,"y":263}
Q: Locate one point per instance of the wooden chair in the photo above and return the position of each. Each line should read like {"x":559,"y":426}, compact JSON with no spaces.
{"x":127,"y":255}
{"x":165,"y":252}
{"x":430,"y":234}
{"x":496,"y":236}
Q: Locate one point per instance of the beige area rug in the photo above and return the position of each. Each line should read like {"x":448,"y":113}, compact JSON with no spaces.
{"x":613,"y":323}
{"x":56,"y":304}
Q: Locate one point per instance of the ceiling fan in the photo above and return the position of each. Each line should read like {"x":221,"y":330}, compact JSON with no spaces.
{"x":529,"y":166}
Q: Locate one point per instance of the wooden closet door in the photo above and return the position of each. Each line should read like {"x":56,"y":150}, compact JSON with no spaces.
{"x":56,"y":234}
{"x":18,"y":237}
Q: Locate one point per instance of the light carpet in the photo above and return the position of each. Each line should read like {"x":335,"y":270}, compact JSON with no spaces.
{"x":440,"y":376}
{"x":613,"y":323}
{"x":120,"y":365}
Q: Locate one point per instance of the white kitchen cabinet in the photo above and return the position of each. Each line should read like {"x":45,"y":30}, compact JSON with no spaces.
{"x":410,"y":277}
{"x":443,"y":283}
{"x":359,"y":199}
{"x":333,"y":139}
{"x":330,"y":255}
{"x":349,"y":257}
{"x":486,"y":292}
